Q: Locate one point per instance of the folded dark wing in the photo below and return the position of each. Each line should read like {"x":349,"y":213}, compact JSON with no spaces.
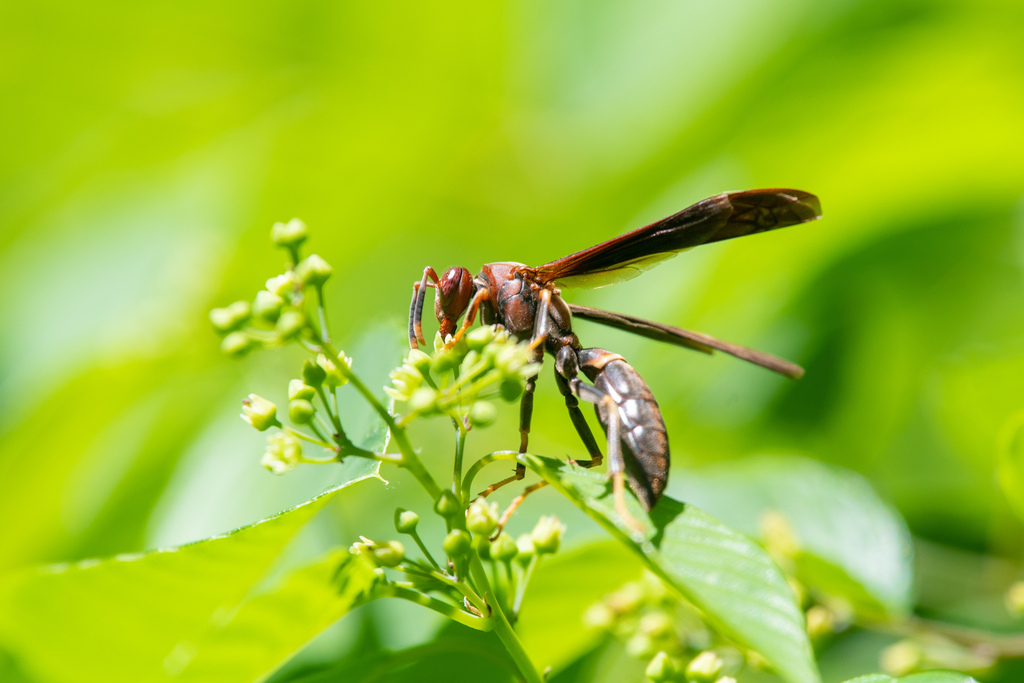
{"x":722,"y":217}
{"x":685,"y":338}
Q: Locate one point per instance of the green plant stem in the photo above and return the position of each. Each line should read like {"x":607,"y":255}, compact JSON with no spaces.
{"x":409,"y":460}
{"x":502,"y":628}
{"x":483,"y":462}
{"x":322,"y":314}
{"x":331,"y":410}
{"x":460,"y":450}
{"x":450,"y":611}
{"x":423,"y":549}
{"x":521,"y":588}
{"x":306,"y":437}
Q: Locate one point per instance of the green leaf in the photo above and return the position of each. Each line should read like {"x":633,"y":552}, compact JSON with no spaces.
{"x":924,"y":677}
{"x":850,"y":542}
{"x":550,"y":624}
{"x":1011,"y":463}
{"x":728,"y":577}
{"x":131,"y":617}
{"x":270,"y":627}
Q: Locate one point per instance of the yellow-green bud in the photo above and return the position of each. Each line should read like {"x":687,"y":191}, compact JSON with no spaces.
{"x":526,"y":550}
{"x":444,"y":361}
{"x":230,"y":317}
{"x":457,"y":543}
{"x":418,"y":360}
{"x":290,"y":234}
{"x":1015,"y":599}
{"x":236,"y":344}
{"x":903,"y":658}
{"x":313,"y":271}
{"x":313,"y":374}
{"x":482,"y":517}
{"x":267,"y":305}
{"x":406,"y":521}
{"x":423,"y":399}
{"x":389,"y":554}
{"x":640,"y":646}
{"x":599,"y":616}
{"x":299,"y":389}
{"x":447,"y":505}
{"x":704,"y":668}
{"x":661,"y":669}
{"x":284,"y":284}
{"x":482,"y":546}
{"x":259,"y":412}
{"x":656,"y":625}
{"x":821,"y":621}
{"x":482,"y":414}
{"x":478,"y":338}
{"x":282,"y":453}
{"x":290,"y":324}
{"x":547,"y":535}
{"x":301,"y":411}
{"x":333,"y":377}
{"x":503,"y":548}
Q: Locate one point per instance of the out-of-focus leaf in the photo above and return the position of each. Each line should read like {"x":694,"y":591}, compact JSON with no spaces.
{"x":732,"y":580}
{"x":456,"y":655}
{"x":1011,"y":463}
{"x":849,"y":542}
{"x":923,"y":677}
{"x":124,"y":618}
{"x":561,"y":589}
{"x":270,"y":627}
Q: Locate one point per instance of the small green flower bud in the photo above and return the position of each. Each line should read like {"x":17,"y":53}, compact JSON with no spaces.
{"x":301,"y":411}
{"x":444,"y":361}
{"x":267,"y":305}
{"x":526,"y":550}
{"x":406,"y":521}
{"x":726,"y":679}
{"x":418,"y":360}
{"x":482,"y":414}
{"x":656,"y":625}
{"x":511,"y":389}
{"x":282,"y":453}
{"x":290,"y":324}
{"x":457,"y":543}
{"x":905,"y":657}
{"x":821,"y":621}
{"x":290,"y":234}
{"x":259,"y":412}
{"x":313,"y":271}
{"x":599,"y":617}
{"x":237,"y":344}
{"x":447,"y":505}
{"x":405,"y":380}
{"x":283,"y":285}
{"x":333,"y":377}
{"x":423,"y":399}
{"x":661,"y":669}
{"x":482,"y":546}
{"x":299,"y":389}
{"x":503,"y":548}
{"x":640,"y":646}
{"x":704,"y":668}
{"x":547,"y":535}
{"x":389,"y":554}
{"x":1014,"y":599}
{"x":478,"y":338}
{"x":313,"y":374}
{"x":482,"y":517}
{"x":230,"y":317}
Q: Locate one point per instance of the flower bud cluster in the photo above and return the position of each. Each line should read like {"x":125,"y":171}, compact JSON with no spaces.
{"x":386,"y":554}
{"x":276,"y":315}
{"x":486,"y":364}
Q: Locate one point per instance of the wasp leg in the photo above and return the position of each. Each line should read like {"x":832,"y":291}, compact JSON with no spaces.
{"x":481,"y":295}
{"x":526,"y":402}
{"x":565,"y":369}
{"x":419,"y":295}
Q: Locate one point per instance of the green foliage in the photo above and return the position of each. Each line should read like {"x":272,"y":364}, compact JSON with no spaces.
{"x":728,"y":577}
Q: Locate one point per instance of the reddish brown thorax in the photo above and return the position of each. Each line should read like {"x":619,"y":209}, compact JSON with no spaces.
{"x":455,"y":293}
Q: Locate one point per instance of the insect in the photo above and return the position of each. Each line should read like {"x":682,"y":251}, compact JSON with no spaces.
{"x":528,"y":303}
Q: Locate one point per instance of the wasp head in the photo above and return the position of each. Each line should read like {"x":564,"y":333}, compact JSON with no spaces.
{"x":453,"y":296}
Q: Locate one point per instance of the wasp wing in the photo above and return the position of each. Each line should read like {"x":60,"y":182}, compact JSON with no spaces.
{"x":685,"y":338}
{"x":722,"y":217}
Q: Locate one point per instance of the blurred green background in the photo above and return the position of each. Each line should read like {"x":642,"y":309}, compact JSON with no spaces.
{"x":148,"y":147}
